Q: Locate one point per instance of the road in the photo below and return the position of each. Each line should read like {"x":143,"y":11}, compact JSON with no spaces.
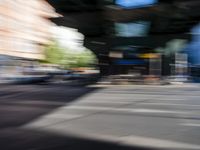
{"x":47,"y":117}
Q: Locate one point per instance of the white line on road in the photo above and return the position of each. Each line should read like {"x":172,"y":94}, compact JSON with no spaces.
{"x":130,"y":110}
{"x":170,"y":104}
{"x":191,"y":124}
{"x":156,"y":143}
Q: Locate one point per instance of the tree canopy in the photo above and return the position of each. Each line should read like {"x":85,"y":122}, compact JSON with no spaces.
{"x":55,"y":54}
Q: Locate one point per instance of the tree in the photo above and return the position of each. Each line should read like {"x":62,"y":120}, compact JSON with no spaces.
{"x":84,"y":58}
{"x":55,"y":54}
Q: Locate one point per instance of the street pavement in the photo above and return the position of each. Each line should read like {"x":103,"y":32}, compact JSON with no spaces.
{"x":113,"y":117}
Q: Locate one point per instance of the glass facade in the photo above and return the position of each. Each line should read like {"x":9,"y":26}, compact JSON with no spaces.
{"x":132,"y":29}
{"x":135,"y":3}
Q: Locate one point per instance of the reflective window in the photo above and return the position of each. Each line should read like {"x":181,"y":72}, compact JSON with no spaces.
{"x":134,"y":29}
{"x":135,"y":3}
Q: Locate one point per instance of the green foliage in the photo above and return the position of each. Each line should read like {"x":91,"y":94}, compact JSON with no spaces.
{"x":55,"y":54}
{"x":79,"y":59}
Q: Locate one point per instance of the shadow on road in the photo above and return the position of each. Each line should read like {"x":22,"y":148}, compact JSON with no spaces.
{"x":20,"y":104}
{"x":14,"y":139}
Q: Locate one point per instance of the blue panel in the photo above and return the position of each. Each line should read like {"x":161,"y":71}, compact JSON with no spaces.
{"x":135,"y":3}
{"x":130,"y":62}
{"x":193,"y":48}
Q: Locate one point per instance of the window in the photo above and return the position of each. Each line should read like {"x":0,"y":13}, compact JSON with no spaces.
{"x":133,"y":29}
{"x":135,"y":3}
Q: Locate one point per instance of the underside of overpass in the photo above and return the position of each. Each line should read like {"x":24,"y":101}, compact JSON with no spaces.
{"x":96,"y":19}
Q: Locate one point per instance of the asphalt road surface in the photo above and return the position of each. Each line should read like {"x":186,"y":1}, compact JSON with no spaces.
{"x":48,"y":117}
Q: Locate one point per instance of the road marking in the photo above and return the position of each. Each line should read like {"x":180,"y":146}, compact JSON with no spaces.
{"x":106,"y":102}
{"x":132,"y":110}
{"x":156,"y":143}
{"x":191,"y":124}
{"x":169,"y":104}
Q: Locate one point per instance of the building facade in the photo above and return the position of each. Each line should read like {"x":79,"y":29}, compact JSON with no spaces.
{"x":24,"y":28}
